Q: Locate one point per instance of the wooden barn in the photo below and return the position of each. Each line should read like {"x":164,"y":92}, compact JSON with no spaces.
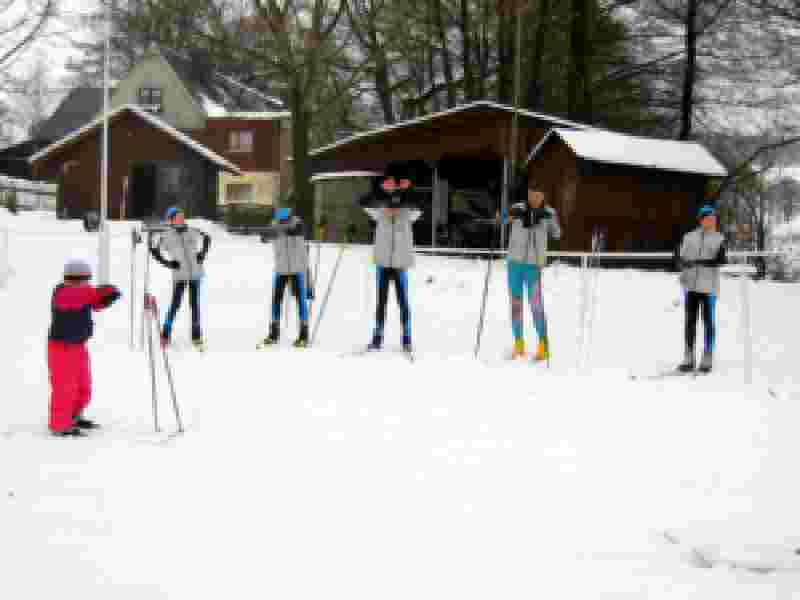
{"x":180,"y":133}
{"x":465,"y":150}
{"x":640,"y":193}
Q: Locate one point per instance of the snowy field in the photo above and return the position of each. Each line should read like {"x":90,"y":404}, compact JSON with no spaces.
{"x":308,"y":474}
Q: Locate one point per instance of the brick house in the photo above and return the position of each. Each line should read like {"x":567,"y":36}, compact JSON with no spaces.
{"x":180,"y":133}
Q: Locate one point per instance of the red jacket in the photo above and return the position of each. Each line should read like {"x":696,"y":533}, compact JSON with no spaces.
{"x":72,"y":310}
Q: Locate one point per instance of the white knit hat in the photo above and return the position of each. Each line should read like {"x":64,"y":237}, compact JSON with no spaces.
{"x":77,"y":268}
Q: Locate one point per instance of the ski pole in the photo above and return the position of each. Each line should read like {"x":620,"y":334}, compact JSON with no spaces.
{"x":483,"y":304}
{"x":327,"y":295}
{"x":544,"y":315}
{"x":146,"y":286}
{"x":484,"y":301}
{"x":168,"y":369}
{"x":149,"y":317}
{"x":133,"y":288}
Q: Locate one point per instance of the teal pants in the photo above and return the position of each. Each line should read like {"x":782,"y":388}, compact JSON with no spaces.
{"x":522,"y":277}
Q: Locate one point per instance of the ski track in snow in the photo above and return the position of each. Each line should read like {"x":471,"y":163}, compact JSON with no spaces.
{"x":302,"y":474}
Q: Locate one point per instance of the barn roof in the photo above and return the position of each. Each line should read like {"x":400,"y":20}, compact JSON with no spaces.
{"x":619,"y":148}
{"x":481,"y":106}
{"x":152,"y":120}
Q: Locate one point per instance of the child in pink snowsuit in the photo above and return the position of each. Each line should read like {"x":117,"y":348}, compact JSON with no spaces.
{"x":67,"y":355}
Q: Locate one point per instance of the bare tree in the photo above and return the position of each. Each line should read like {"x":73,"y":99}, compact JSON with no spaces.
{"x":35,"y":96}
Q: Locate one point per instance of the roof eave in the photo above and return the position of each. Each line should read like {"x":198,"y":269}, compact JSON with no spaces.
{"x":456,"y":109}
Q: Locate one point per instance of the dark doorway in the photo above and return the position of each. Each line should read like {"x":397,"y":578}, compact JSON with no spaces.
{"x":142,"y":191}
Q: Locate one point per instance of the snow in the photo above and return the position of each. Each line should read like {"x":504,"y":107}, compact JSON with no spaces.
{"x":619,"y":148}
{"x":211,"y":108}
{"x":305,"y":474}
{"x":344,"y":175}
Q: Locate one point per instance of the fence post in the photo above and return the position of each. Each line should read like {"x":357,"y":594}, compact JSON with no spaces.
{"x":746,"y":330}
{"x":5,"y":269}
{"x":580,"y":335}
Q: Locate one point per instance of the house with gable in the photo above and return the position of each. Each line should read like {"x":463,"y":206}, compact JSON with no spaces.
{"x":179,"y":133}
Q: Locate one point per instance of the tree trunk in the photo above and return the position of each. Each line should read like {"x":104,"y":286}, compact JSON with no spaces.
{"x":690,"y":74}
{"x":578,"y":72}
{"x":383,"y":87}
{"x":535,"y":93}
{"x":505,"y":60}
{"x":444,"y":53}
{"x":301,"y":162}
{"x":467,"y":58}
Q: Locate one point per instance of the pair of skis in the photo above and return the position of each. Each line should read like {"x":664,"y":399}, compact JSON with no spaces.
{"x":408,"y":354}
{"x":676,"y":372}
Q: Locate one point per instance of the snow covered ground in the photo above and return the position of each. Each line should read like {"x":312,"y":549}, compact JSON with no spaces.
{"x":305,"y":474}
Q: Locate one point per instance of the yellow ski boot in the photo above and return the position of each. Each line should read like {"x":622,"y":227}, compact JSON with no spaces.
{"x":519,"y":349}
{"x":542,"y":351}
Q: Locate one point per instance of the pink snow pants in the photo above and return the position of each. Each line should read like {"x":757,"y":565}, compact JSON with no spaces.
{"x":70,"y":382}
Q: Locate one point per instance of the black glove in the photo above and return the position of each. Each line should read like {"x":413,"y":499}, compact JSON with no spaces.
{"x":113,"y":294}
{"x":539,"y":214}
{"x":201,"y":256}
{"x":173,"y":264}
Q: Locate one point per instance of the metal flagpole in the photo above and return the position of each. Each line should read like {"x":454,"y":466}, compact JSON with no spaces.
{"x":517,"y":7}
{"x":103,"y":259}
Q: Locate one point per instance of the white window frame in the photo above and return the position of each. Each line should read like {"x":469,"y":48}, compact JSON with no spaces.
{"x":237,"y":139}
{"x":149,"y":93}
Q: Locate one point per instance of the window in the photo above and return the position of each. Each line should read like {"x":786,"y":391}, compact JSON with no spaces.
{"x":240,"y":193}
{"x":150,"y":99}
{"x":241,"y":141}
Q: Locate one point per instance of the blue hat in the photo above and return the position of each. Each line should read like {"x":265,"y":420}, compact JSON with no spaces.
{"x":282,"y":214}
{"x":171,"y":212}
{"x":705,"y":211}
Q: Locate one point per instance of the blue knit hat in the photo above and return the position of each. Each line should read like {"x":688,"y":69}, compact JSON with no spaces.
{"x":283,"y":214}
{"x":705,"y":211}
{"x":171,"y":212}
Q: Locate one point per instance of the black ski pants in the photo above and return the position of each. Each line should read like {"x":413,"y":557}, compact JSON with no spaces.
{"x":385,"y":275}
{"x":696,"y":303}
{"x":177,"y":298}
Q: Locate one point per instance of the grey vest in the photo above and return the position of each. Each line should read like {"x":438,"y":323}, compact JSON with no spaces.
{"x":394,"y":239}
{"x":529,"y":245}
{"x":183,"y":246}
{"x":701,"y":245}
{"x":291,"y":254}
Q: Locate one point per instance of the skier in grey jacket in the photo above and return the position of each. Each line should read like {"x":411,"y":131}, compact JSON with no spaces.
{"x":532,"y":224}
{"x":187,"y":249}
{"x":702,"y":252}
{"x":291,"y":266}
{"x":391,"y":207}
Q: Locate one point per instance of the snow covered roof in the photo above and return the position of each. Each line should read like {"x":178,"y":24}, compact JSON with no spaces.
{"x":152,"y":120}
{"x":619,"y":148}
{"x":790,"y":230}
{"x":25,"y":185}
{"x":344,"y":175}
{"x":214,"y":91}
{"x":556,"y":121}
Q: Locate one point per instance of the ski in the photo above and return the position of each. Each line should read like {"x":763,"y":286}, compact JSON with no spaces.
{"x":410,"y":355}
{"x":667,"y":374}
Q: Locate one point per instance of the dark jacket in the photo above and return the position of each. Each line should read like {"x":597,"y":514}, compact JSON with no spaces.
{"x":72,"y":308}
